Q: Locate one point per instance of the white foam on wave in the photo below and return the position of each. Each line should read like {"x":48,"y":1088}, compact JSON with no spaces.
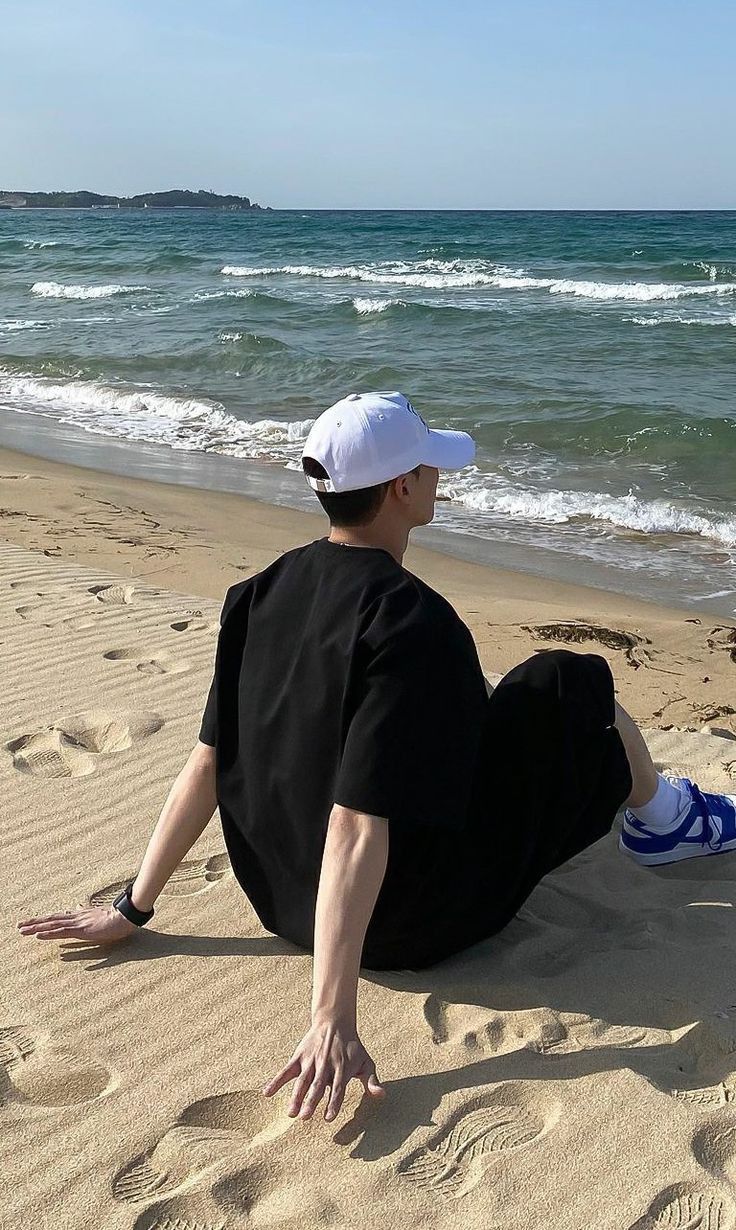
{"x":430,"y":274}
{"x":628,"y":511}
{"x":664,"y":319}
{"x":441,"y":275}
{"x":196,"y":425}
{"x":20,"y":326}
{"x":203,"y":295}
{"x":41,"y":243}
{"x":190,"y":424}
{"x":642,"y":292}
{"x":712,"y":271}
{"x":373,"y":307}
{"x":60,"y":290}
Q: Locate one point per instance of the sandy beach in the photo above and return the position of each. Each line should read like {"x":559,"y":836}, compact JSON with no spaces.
{"x":576,"y":1072}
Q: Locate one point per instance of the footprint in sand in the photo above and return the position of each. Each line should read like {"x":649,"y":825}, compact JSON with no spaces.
{"x":195,"y":624}
{"x":71,"y":746}
{"x":113,"y":595}
{"x":686,"y":1207}
{"x":474,"y":1028}
{"x":567,"y":1039}
{"x":565,"y":927}
{"x":211,"y":1134}
{"x":706,"y":1057}
{"x":191,"y":877}
{"x":34,"y":1074}
{"x":49,"y":615}
{"x":537,"y":1029}
{"x":159,"y":664}
{"x":189,"y":1213}
{"x":170,"y":1167}
{"x":714,"y":1148}
{"x":492,"y":1033}
{"x":612,"y":638}
{"x":712,"y":1097}
{"x":483,"y":1129}
{"x":16,"y":1044}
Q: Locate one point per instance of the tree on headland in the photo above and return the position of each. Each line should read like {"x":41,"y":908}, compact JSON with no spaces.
{"x":176,"y":198}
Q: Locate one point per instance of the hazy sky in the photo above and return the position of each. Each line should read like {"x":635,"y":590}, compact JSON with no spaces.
{"x":402,"y":104}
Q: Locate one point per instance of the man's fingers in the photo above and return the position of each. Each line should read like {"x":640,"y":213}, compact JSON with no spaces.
{"x":286,"y":1074}
{"x":300,"y":1089}
{"x":35,"y":922}
{"x":52,"y":929}
{"x":337,"y":1094}
{"x":314,"y":1096}
{"x":62,"y":933}
{"x":371,"y":1083}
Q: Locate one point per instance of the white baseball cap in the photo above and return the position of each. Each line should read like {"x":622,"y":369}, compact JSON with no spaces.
{"x":369,"y":438}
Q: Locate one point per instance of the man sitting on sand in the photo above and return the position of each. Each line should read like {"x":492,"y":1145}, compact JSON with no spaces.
{"x":378,"y":806}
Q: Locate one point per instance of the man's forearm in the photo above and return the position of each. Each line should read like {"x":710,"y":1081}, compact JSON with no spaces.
{"x":353,"y":867}
{"x":184,"y":816}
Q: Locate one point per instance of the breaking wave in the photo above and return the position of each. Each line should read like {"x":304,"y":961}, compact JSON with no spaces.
{"x":187,"y":423}
{"x":441,"y":275}
{"x":58,"y":290}
{"x":659,"y":319}
{"x":373,"y":307}
{"x":628,"y":512}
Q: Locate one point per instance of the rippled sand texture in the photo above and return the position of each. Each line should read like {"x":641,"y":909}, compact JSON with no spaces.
{"x":576,"y":1072}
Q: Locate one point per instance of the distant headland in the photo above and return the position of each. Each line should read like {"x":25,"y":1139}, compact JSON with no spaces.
{"x":177,"y":198}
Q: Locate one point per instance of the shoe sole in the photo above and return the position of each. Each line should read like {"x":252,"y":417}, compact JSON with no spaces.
{"x":671,"y":856}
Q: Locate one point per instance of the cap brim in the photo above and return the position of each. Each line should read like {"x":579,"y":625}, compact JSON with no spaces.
{"x":448,"y":450}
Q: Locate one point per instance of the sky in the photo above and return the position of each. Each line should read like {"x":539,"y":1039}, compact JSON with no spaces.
{"x":412,"y":104}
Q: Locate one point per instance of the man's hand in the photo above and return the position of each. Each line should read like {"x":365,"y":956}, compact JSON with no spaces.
{"x":328,"y":1057}
{"x":96,"y":923}
{"x":331,"y":1053}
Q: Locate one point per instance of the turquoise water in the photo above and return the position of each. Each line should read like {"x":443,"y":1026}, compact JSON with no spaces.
{"x":591,"y":355}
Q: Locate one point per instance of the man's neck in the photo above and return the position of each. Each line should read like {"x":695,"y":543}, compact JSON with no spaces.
{"x":394,"y":543}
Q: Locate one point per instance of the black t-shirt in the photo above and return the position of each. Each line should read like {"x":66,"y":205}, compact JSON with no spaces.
{"x":340,"y":677}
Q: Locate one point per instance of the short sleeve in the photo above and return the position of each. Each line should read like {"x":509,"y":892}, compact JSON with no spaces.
{"x":208,"y":727}
{"x":407,"y":755}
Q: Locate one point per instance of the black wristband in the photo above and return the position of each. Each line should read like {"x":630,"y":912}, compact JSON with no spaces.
{"x":124,"y":905}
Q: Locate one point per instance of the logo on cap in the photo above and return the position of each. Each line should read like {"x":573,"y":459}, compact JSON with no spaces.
{"x":416,"y":413}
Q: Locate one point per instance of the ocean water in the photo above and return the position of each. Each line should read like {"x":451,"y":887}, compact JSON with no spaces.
{"x":591,"y":355}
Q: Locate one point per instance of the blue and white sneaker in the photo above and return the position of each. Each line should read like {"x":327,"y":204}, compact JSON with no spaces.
{"x":705,"y":824}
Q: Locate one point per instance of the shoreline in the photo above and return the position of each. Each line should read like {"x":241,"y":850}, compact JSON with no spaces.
{"x":669,"y":665}
{"x":270,"y":482}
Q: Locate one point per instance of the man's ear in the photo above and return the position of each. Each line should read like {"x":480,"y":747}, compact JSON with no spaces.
{"x":404,"y":488}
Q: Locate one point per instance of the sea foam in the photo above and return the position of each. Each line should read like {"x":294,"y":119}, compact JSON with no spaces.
{"x":20,"y":326}
{"x":373,"y":307}
{"x":187,"y":423}
{"x":203,"y":296}
{"x":442,"y":275}
{"x":557,"y":507}
{"x":58,"y":290}
{"x":663,"y":319}
{"x":193,"y":424}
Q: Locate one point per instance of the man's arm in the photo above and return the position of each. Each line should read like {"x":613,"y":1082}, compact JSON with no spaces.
{"x":331,"y":1053}
{"x":185,"y":814}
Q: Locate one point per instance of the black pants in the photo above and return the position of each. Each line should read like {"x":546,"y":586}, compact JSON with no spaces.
{"x":553,"y":772}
